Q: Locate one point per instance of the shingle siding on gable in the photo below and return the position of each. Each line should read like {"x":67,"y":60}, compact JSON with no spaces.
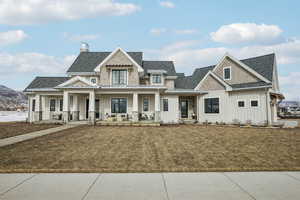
{"x":211,"y":83}
{"x":238,"y":73}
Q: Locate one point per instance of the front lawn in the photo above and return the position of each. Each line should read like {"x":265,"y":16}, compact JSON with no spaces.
{"x":10,"y":129}
{"x":155,"y":149}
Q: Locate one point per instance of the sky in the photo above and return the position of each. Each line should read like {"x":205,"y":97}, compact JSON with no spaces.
{"x":43,"y":37}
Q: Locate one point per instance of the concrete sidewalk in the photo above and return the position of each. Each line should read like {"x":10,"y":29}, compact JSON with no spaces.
{"x":164,"y":186}
{"x":28,"y":136}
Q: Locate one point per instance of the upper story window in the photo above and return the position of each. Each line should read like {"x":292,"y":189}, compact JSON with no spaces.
{"x":241,"y":103}
{"x":254,"y":103}
{"x":227,"y":73}
{"x":156,"y":79}
{"x":119,"y":77}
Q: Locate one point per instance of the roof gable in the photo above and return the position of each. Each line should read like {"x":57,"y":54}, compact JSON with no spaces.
{"x":76,"y":81}
{"x":88,"y":61}
{"x":119,"y":55}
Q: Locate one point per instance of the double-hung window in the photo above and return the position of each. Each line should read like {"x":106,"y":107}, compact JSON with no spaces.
{"x":146,"y":104}
{"x":52,"y":105}
{"x":227,"y":73}
{"x":118,"y":105}
{"x":119,"y":77}
{"x":156,"y":79}
{"x":211,"y":105}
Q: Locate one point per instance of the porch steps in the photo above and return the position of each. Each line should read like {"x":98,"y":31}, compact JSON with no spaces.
{"x":106,"y":123}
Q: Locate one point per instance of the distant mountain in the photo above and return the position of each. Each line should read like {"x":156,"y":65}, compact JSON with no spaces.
{"x":11,"y":99}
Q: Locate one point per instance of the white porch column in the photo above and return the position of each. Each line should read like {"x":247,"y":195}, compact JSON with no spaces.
{"x":198,"y":107}
{"x":135,"y":107}
{"x":157,"y":107}
{"x":38,"y":109}
{"x":92,"y":107}
{"x":66,"y":111}
{"x":75,"y":108}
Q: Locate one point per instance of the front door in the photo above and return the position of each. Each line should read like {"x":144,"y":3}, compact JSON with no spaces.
{"x":184,"y":108}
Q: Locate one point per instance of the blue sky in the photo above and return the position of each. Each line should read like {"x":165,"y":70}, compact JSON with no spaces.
{"x":42,"y":38}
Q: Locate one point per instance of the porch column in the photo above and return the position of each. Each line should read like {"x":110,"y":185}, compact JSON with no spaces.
{"x":135,"y":109}
{"x":75,"y":108}
{"x":198,"y":107}
{"x":66,"y":111}
{"x":92,"y":107}
{"x":38,"y":108}
{"x":157,"y":107}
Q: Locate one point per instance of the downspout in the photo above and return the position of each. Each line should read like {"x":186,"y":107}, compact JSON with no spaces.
{"x":267,"y":105}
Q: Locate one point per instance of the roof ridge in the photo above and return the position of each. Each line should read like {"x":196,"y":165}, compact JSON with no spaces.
{"x":157,"y":61}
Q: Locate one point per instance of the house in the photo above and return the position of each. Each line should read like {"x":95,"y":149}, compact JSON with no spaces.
{"x":121,"y":85}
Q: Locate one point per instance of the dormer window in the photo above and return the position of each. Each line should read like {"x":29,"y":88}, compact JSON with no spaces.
{"x":156,"y":79}
{"x":227,"y":73}
{"x":119,"y":77}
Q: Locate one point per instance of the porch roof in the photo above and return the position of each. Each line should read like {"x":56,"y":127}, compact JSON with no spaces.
{"x":185,"y":91}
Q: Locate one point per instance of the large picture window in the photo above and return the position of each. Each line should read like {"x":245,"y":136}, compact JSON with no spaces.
{"x":211,"y":105}
{"x":119,"y":77}
{"x":52,"y":105}
{"x":118,"y":105}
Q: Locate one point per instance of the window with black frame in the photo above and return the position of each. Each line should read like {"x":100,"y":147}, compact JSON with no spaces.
{"x":211,"y":105}
{"x":52,"y":105}
{"x":119,"y":77}
{"x":146,"y":105}
{"x":33,"y":105}
{"x":118,"y":105}
{"x":61,"y":105}
{"x":165,"y":105}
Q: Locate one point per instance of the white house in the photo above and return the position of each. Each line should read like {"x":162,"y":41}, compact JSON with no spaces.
{"x":122,"y":85}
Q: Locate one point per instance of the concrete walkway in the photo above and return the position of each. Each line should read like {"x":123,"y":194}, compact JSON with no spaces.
{"x":28,"y":136}
{"x":156,"y":186}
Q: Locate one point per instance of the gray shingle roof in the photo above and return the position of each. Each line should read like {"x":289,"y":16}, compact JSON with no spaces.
{"x":190,"y":82}
{"x":261,"y":64}
{"x":168,"y":66}
{"x":247,"y":85}
{"x":88,"y":61}
{"x":46,"y":82}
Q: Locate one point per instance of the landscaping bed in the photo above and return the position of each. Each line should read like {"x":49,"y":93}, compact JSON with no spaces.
{"x":176,"y":148}
{"x":10,"y":129}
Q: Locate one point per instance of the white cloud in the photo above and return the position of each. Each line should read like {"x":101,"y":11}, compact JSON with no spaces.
{"x":80,"y":37}
{"x":290,"y":84}
{"x":186,"y":31}
{"x":247,"y":32}
{"x":167,"y":4}
{"x":158,"y":31}
{"x":16,"y":12}
{"x":12,"y":37}
{"x":33,"y":63}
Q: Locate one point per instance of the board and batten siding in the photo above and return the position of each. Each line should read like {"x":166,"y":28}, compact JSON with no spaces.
{"x":229,"y":110}
{"x":172,"y":115}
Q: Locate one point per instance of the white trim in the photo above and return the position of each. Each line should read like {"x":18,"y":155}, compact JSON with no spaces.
{"x":127,"y":76}
{"x":227,"y":87}
{"x":241,"y":100}
{"x":149,"y":103}
{"x":251,"y":88}
{"x":93,"y":77}
{"x":258,"y":103}
{"x":75,"y":79}
{"x":246,"y":67}
{"x":227,"y":79}
{"x":81,"y":73}
{"x":98,"y":68}
{"x":161,"y":78}
{"x":117,"y":97}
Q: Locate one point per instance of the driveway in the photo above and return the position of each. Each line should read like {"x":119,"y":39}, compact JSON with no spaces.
{"x":165,"y":186}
